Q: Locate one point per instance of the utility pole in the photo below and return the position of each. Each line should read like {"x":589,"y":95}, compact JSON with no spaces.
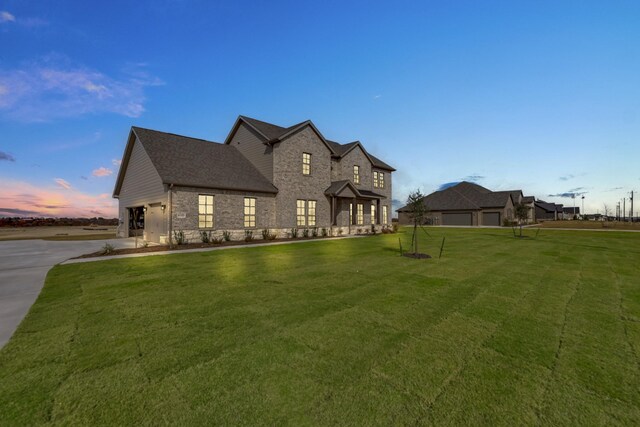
{"x":631,"y":205}
{"x":624,"y":213}
{"x":573,"y":196}
{"x":582,"y":213}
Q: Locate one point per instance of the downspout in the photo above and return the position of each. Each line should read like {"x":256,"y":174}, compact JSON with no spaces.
{"x":170,"y":215}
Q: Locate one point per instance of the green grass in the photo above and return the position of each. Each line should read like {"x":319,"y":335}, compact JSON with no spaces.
{"x":500,"y":331}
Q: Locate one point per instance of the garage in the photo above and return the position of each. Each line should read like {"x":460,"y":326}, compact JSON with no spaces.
{"x":491,"y":218}
{"x":459,"y":218}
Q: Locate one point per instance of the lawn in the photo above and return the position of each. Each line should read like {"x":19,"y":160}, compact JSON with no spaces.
{"x":499,"y":331}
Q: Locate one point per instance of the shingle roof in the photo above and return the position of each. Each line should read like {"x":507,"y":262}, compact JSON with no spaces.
{"x":528,"y":199}
{"x":464,"y":196}
{"x":337,"y":186}
{"x":186,"y":161}
{"x":549,"y":207}
{"x":274,"y":132}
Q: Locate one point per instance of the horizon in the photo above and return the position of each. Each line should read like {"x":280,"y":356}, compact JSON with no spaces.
{"x":539,"y":97}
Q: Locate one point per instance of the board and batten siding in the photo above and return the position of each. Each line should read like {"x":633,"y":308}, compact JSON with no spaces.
{"x":247,"y":141}
{"x":142,"y":183}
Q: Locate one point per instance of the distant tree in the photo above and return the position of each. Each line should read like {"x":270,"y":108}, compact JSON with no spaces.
{"x":606,"y":211}
{"x":417,"y":212}
{"x":521,"y":212}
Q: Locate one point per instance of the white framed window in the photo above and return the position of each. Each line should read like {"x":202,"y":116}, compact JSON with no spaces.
{"x":360,"y":214}
{"x":373,"y":213}
{"x":301,"y":206}
{"x":249,"y":212}
{"x":205,"y":211}
{"x":306,"y":163}
{"x":381,"y":179}
{"x":356,"y":174}
{"x":375,"y":179}
{"x":311,"y":213}
{"x":385,"y":219}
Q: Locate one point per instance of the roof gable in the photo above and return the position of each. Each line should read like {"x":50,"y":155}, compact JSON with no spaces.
{"x":193,"y":162}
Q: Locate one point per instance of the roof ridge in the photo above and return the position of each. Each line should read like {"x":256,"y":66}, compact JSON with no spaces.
{"x":177,"y":134}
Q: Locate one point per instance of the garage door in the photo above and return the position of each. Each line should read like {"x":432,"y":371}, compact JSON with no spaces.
{"x":491,"y":218}
{"x":456,"y":218}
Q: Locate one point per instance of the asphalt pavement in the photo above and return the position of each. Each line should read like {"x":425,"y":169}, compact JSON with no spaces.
{"x":23,"y":267}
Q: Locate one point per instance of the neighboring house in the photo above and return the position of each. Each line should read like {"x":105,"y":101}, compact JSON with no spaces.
{"x":569,"y":212}
{"x":547,"y":211}
{"x":529,"y":202}
{"x":467,"y":203}
{"x":262,"y":177}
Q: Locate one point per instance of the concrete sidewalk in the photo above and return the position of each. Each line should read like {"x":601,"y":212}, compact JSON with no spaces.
{"x":24,"y":264}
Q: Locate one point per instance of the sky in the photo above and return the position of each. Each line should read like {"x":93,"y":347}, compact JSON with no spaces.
{"x":542,"y":96}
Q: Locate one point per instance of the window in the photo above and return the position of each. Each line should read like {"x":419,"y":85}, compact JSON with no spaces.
{"x":311,"y":213}
{"x":356,"y":174}
{"x":375,"y":179}
{"x":381,"y":179}
{"x":360,"y":217}
{"x":385,"y":221}
{"x":205,"y":211}
{"x":249,"y":212}
{"x":373,"y":213}
{"x":300,"y":213}
{"x":306,"y":163}
{"x":351,"y":213}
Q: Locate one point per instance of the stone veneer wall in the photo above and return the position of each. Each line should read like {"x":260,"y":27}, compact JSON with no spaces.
{"x":293,"y":185}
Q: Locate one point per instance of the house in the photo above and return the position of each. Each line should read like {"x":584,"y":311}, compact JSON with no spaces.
{"x":263,"y":176}
{"x":547,"y":211}
{"x":570,"y":212}
{"x":468,"y":204}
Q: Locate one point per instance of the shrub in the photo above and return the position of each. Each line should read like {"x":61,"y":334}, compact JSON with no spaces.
{"x":373,"y":229}
{"x":359,"y":231}
{"x":340,"y":231}
{"x":216,"y":240}
{"x":265,"y":234}
{"x":179,"y":237}
{"x":144,"y":244}
{"x":226,"y":236}
{"x":324,"y":232}
{"x":205,"y":236}
{"x":248,"y":235}
{"x":305,"y":232}
{"x":394,"y":228}
{"x":272,"y":236}
{"x":294,"y":233}
{"x":108,"y":249}
{"x":314,"y":232}
{"x":506,"y":222}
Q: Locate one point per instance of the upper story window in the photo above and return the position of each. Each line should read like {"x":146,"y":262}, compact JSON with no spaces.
{"x":375,"y":179}
{"x":249,"y":212}
{"x":306,"y":163}
{"x":381,"y":179}
{"x":356,"y":174}
{"x":205,"y":211}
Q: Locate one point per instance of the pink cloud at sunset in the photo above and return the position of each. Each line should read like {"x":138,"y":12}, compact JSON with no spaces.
{"x":18,"y":198}
{"x":102,"y":171}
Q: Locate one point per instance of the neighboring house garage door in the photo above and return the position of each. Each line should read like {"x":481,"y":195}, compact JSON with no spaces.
{"x":456,"y":218}
{"x":491,"y":218}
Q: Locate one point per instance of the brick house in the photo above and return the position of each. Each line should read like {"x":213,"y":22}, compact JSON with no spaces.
{"x":262,"y":177}
{"x":469,"y":204}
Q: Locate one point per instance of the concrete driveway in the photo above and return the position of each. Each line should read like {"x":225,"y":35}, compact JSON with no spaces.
{"x":23,"y":267}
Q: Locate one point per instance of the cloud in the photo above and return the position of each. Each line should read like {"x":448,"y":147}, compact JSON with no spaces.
{"x":62,"y":183}
{"x":473,"y":178}
{"x":20,"y":198}
{"x":101,"y":171}
{"x":6,"y":156}
{"x":6,"y":17}
{"x":116,"y":162}
{"x":377,"y":97}
{"x":54,"y":88}
{"x":447,"y":185}
{"x":570,"y":194}
{"x":566,"y":177}
{"x":614,"y":189}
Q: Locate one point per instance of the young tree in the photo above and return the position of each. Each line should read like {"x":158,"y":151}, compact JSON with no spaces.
{"x":521,"y":211}
{"x":606,"y":211}
{"x":417,"y":212}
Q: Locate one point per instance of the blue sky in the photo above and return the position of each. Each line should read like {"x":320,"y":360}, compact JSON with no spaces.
{"x":542,"y":96}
